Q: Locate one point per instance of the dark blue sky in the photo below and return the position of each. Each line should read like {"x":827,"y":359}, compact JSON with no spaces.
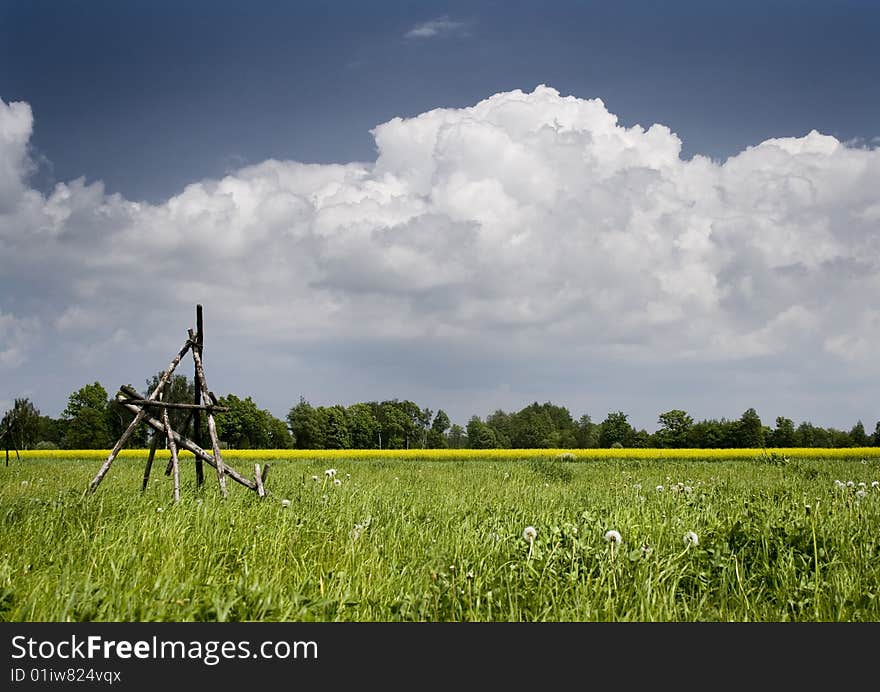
{"x":148,"y":96}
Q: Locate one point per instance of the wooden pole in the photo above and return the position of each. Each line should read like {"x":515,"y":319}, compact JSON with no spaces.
{"x":169,"y":437}
{"x":153,"y":444}
{"x":183,"y":431}
{"x":197,"y":419}
{"x":169,"y":404}
{"x":258,"y":478}
{"x":212,"y":428}
{"x":140,"y":414}
{"x":149,"y":465}
{"x":265,"y":474}
{"x":184,"y":443}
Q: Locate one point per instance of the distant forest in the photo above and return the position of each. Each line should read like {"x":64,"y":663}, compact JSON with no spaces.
{"x":94,"y":420}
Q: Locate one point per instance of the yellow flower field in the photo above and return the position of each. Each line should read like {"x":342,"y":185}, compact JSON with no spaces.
{"x":487,"y":454}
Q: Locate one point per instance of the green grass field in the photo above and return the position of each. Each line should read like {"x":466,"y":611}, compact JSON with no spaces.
{"x":778,"y":539}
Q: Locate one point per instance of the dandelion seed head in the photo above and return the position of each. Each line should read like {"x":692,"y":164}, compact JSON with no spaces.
{"x":659,"y":488}
{"x":285,"y":503}
{"x":160,"y":509}
{"x":337,"y":482}
{"x":850,"y":484}
{"x":860,"y":494}
{"x":875,"y":484}
{"x":691,"y":538}
{"x":529,"y":534}
{"x":330,"y":473}
{"x":612,"y":536}
{"x":314,"y":478}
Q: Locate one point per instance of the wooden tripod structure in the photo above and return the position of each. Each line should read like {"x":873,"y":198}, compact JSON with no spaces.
{"x":153,"y":411}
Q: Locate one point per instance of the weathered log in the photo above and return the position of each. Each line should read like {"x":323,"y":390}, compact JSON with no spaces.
{"x":169,"y":404}
{"x":189,"y":445}
{"x":183,"y":432}
{"x":258,"y":477}
{"x":149,"y":465}
{"x":197,"y":419}
{"x":265,"y":474}
{"x":212,"y":427}
{"x":140,"y":414}
{"x":169,"y":437}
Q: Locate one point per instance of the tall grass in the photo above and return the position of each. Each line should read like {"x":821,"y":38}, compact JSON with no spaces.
{"x":431,"y":540}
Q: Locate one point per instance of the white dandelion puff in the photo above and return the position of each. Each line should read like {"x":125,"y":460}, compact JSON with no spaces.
{"x":613,"y":536}
{"x":688,"y":489}
{"x":839,"y":484}
{"x":285,"y":503}
{"x":659,"y":488}
{"x":691,"y":538}
{"x":337,"y":482}
{"x":862,"y":484}
{"x":875,"y":484}
{"x":529,"y":534}
{"x":850,"y":484}
{"x":860,"y":494}
{"x":314,"y":478}
{"x":160,"y":509}
{"x":330,"y":473}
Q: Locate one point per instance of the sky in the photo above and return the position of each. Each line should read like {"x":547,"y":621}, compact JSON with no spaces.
{"x":629,"y":206}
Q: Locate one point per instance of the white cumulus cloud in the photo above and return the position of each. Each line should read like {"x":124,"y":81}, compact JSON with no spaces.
{"x":530,"y":227}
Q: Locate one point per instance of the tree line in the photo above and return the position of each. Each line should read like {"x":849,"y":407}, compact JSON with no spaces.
{"x":93,"y":420}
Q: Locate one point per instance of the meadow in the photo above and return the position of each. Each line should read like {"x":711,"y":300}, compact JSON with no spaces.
{"x":466,"y":535}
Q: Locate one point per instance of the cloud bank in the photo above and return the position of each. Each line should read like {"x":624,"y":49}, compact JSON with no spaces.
{"x":522,"y":247}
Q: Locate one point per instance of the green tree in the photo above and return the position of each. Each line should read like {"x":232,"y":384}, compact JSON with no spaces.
{"x":457,"y":437}
{"x":675,"y":428}
{"x":535,"y":429}
{"x":784,"y":433}
{"x":21,"y":424}
{"x":857,"y":435}
{"x":336,"y":433}
{"x":437,"y":433}
{"x":87,"y":430}
{"x":363,"y":427}
{"x":244,"y":425}
{"x":504,"y":425}
{"x":587,"y":435}
{"x":51,"y":430}
{"x":279,"y":435}
{"x":749,"y":431}
{"x":305,"y":426}
{"x":86,"y":418}
{"x":480,"y":435}
{"x":616,"y":428}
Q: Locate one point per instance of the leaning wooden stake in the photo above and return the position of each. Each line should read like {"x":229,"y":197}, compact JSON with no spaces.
{"x":149,"y":465}
{"x":261,"y":491}
{"x":140,"y":414}
{"x":169,"y":437}
{"x":212,"y":428}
